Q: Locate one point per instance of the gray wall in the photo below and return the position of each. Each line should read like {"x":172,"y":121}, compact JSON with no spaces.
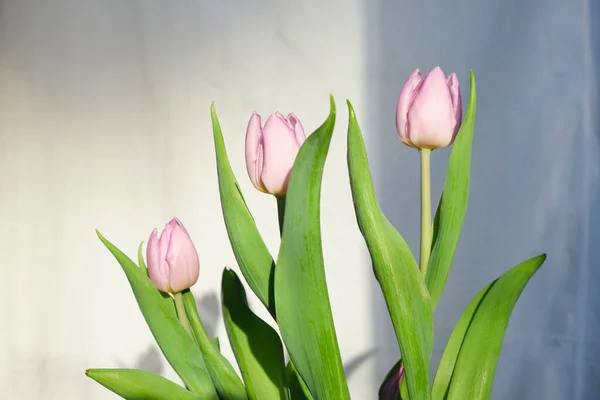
{"x":104,"y":124}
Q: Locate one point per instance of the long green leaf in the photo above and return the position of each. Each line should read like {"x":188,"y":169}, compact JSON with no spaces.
{"x":453,"y":204}
{"x":251,"y":253}
{"x":395,"y":268}
{"x":175,"y":343}
{"x":134,"y":384}
{"x":473,"y":374}
{"x":256,"y":345}
{"x":228,"y":384}
{"x":301,"y":298}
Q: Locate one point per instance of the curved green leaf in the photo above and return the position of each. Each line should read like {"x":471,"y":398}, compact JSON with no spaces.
{"x":301,"y":298}
{"x":175,"y":343}
{"x":473,"y":374}
{"x":395,"y":268}
{"x":251,"y":253}
{"x":256,"y":345}
{"x":228,"y":384}
{"x":453,"y":204}
{"x":134,"y":384}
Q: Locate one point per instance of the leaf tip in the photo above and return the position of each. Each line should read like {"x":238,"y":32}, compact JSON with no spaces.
{"x":102,"y":238}
{"x":331,"y":104}
{"x":227,"y":272}
{"x":351,"y":109}
{"x":472,"y":80}
{"x":213,"y":115}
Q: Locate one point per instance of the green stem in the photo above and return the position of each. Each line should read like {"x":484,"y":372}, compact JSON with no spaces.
{"x":425,"y":210}
{"x":181,"y":313}
{"x":280,"y":212}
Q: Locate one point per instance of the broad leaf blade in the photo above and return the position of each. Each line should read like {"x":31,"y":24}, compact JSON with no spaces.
{"x":473,"y":374}
{"x":256,"y":345}
{"x":251,"y":253}
{"x":227,"y":383}
{"x":175,"y":343}
{"x":453,"y":204}
{"x":134,"y":384}
{"x":395,"y":268}
{"x":303,"y":309}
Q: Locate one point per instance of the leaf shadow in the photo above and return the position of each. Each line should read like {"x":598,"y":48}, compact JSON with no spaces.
{"x":354,"y":363}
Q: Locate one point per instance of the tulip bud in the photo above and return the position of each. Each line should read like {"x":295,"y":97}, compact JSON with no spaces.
{"x":391,"y":388}
{"x":271,"y":151}
{"x":173,"y":264}
{"x":429,"y":110}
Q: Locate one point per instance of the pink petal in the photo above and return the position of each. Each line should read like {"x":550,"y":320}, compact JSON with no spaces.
{"x":297,"y":127}
{"x":407,"y":95}
{"x":454,"y":88}
{"x":431,"y":117}
{"x":280,"y":148}
{"x":157,"y":267}
{"x":253,"y":151}
{"x":182,"y":257}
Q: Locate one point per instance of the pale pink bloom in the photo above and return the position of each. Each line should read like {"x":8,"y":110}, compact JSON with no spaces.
{"x":172,"y":259}
{"x":429,"y":111}
{"x":271,"y":151}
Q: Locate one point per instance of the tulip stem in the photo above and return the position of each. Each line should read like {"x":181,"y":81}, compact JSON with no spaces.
{"x":425,"y":210}
{"x":280,"y":212}
{"x":181,"y":313}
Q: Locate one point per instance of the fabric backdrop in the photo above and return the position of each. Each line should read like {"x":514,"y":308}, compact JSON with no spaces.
{"x":104,"y":123}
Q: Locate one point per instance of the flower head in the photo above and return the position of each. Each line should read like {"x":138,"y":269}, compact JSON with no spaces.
{"x":173,"y":263}
{"x":271,"y":151}
{"x":429,"y":111}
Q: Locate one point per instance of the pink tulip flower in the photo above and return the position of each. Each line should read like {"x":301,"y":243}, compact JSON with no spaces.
{"x":271,"y":151}
{"x":173,"y":263}
{"x":429,"y":111}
